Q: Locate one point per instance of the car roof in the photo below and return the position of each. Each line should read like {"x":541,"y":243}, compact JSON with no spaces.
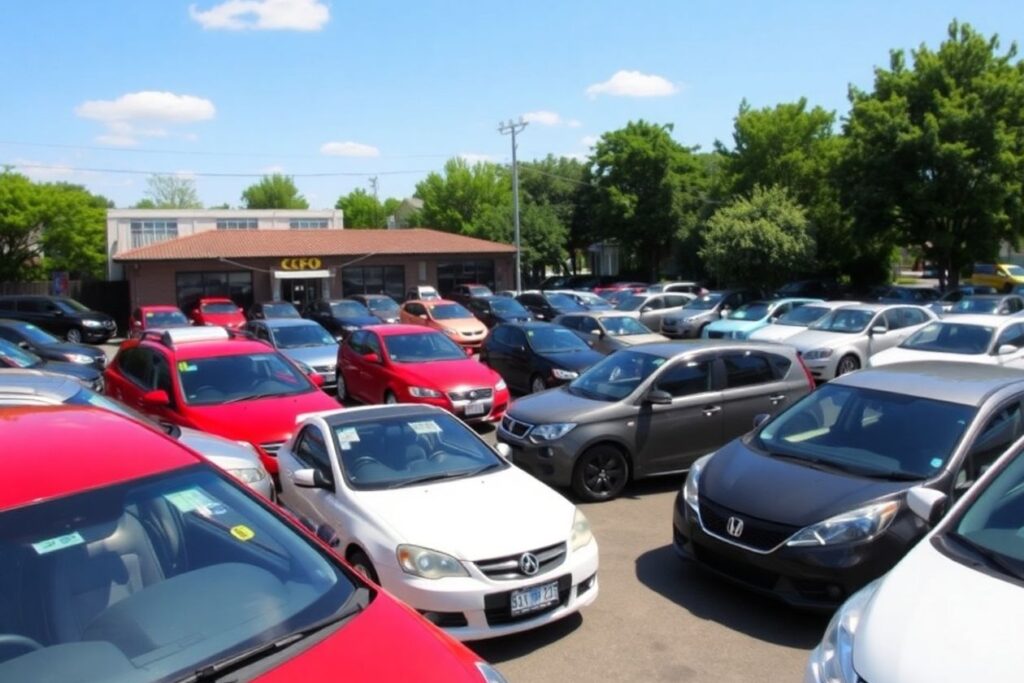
{"x":387,"y":330}
{"x":671,"y":349}
{"x":430,"y":303}
{"x":528,"y":324}
{"x":988,"y":297}
{"x":75,"y":460}
{"x":9,"y":322}
{"x":214,"y":299}
{"x":953,"y":382}
{"x":233,"y":346}
{"x":987,"y":320}
{"x":159,"y":307}
{"x":287,"y":322}
{"x":276,"y":302}
{"x":363,"y":413}
{"x":371,"y":296}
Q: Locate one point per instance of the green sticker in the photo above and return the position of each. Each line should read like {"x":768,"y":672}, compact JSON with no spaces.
{"x":184,"y":366}
{"x":58,"y":543}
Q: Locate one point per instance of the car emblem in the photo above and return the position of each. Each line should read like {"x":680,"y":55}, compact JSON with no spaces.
{"x":472,"y":394}
{"x":734,"y":526}
{"x":529,"y":564}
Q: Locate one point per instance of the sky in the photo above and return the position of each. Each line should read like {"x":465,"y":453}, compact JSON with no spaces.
{"x":335,"y":92}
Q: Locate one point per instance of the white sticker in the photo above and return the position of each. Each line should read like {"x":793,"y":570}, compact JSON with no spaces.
{"x":58,"y":543}
{"x":425,"y":427}
{"x":348,"y":435}
{"x":192,"y":499}
{"x":345,"y":445}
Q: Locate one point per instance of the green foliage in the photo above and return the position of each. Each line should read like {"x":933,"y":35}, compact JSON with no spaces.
{"x":761,"y":239}
{"x":542,"y":235}
{"x":145,"y":204}
{"x":454,"y":200}
{"x":363,"y":210}
{"x":170,"y":192}
{"x":275,"y":191}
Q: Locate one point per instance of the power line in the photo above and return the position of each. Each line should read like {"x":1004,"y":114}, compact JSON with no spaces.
{"x":129,"y":171}
{"x":182,"y":152}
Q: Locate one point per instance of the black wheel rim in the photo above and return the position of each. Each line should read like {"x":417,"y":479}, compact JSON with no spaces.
{"x":847,"y":365}
{"x":538,"y":385}
{"x":74,"y":336}
{"x":604,"y":473}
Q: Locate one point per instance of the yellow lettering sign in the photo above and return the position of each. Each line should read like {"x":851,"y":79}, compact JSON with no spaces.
{"x":308,"y":263}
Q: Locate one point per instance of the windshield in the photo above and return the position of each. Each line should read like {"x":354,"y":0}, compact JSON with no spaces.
{"x":222,"y":379}
{"x":554,"y":339}
{"x":867,"y":432}
{"x":1015,"y":270}
{"x":282,"y":310}
{"x":220,"y":308}
{"x":70,"y":306}
{"x":844,"y":321}
{"x":421,"y":348}
{"x":37,"y":336}
{"x":630,"y":303}
{"x":15,"y":356}
{"x":802,"y":316}
{"x":976,"y":306}
{"x":391,"y":452}
{"x":299,"y":336}
{"x":622,"y":326}
{"x":616,"y":376}
{"x":951,"y":338}
{"x":752,"y":311}
{"x":449,"y":312}
{"x":706,"y":302}
{"x":479,"y":290}
{"x":166,"y":319}
{"x":509,"y":307}
{"x":349,"y":309}
{"x":385,"y":306}
{"x":593,"y":302}
{"x":563,"y":303}
{"x":159,"y":578}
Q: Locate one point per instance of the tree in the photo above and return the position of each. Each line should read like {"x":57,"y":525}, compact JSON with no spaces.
{"x":171,"y":192}
{"x":145,"y":204}
{"x":362,"y":210}
{"x":935,"y":156}
{"x":759,"y":240}
{"x":275,"y":191}
{"x":21,"y":218}
{"x":542,"y":235}
{"x":558,"y":183}
{"x":455,"y":199}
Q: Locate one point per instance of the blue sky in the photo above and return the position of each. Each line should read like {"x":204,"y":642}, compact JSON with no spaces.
{"x":250,"y":86}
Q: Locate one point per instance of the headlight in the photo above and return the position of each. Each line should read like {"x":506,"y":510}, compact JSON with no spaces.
{"x":489,"y":673}
{"x":249,"y":475}
{"x":552,"y":431}
{"x":861,"y":524}
{"x":92,"y":323}
{"x":79,"y":358}
{"x":832,"y":660}
{"x":450,"y":332}
{"x":818,"y":354}
{"x":691,"y":488}
{"x":559,"y":373}
{"x":690,"y":319}
{"x":581,"y":533}
{"x":428,"y":564}
{"x":350,"y":328}
{"x":423,"y":392}
{"x":500,"y":386}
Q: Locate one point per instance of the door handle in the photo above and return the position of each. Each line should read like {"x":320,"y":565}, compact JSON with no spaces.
{"x":777,"y":399}
{"x":711,"y":410}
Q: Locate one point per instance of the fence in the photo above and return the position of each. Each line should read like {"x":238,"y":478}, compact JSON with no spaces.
{"x":111,"y":298}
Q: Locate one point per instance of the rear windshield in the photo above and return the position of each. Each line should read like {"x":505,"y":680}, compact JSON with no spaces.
{"x":166,"y":319}
{"x":951,"y":338}
{"x":280,"y":311}
{"x":220,"y":308}
{"x":564,"y":303}
{"x":349,"y":309}
{"x":300,"y":336}
{"x":387,"y":306}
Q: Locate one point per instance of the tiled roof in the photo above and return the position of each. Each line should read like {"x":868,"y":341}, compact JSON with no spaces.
{"x":213,"y":244}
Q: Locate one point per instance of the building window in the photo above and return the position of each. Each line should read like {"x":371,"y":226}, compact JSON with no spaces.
{"x":308,"y":224}
{"x":236,"y":285}
{"x":150,"y":232}
{"x":236,"y":223}
{"x":451,"y":274}
{"x":388,"y":280}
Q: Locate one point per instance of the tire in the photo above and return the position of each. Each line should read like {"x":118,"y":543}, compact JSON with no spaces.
{"x":700,"y":332}
{"x":847,"y":364}
{"x":74,"y":335}
{"x":600,"y":474}
{"x":390,"y":398}
{"x":361,"y":563}
{"x":340,"y":392}
{"x":537,"y":384}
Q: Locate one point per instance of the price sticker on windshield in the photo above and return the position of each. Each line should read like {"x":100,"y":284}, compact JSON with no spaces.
{"x":348,"y":435}
{"x":425,"y":427}
{"x":185,"y":366}
{"x":58,"y":543}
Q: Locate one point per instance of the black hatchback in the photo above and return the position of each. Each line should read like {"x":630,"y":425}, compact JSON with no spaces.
{"x":533,"y":357}
{"x":493,"y":310}
{"x":60,"y":316}
{"x":45,"y":345}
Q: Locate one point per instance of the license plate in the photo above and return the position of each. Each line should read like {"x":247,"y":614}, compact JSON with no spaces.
{"x":476,"y":408}
{"x":533,"y":599}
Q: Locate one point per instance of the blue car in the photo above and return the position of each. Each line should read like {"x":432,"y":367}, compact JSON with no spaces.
{"x":740,"y":323}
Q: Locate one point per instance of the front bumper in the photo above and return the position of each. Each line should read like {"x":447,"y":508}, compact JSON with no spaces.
{"x":823,"y":369}
{"x":550,"y":462}
{"x":677,"y":329}
{"x":471,"y":412}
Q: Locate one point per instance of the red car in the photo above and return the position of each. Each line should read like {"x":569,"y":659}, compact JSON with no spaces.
{"x":214,"y":381}
{"x":217,"y":311}
{"x":630,"y":287}
{"x":162,"y":567}
{"x":150,"y":317}
{"x":414,"y":364}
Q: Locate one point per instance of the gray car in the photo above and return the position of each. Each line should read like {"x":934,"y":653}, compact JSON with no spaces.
{"x":304,"y":341}
{"x":651,"y":308}
{"x":608,"y":331}
{"x":652,"y":409}
{"x":689,"y":321}
{"x":34,"y":387}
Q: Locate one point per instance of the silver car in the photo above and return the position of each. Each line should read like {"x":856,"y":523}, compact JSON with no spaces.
{"x":651,"y":308}
{"x":304,"y":341}
{"x":35,"y":387}
{"x":608,"y":331}
{"x":690,"y":320}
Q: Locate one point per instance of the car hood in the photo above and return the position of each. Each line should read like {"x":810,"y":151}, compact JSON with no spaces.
{"x":223,"y":318}
{"x":634,"y":339}
{"x":776,"y":333}
{"x":225,"y":453}
{"x":782,"y":491}
{"x":511,"y":513}
{"x":816,"y":339}
{"x":59,"y":349}
{"x":314,"y":355}
{"x":83,"y":373}
{"x":934,"y":619}
{"x":558,"y":405}
{"x":512,"y":318}
{"x":462,"y":325}
{"x":261,"y":420}
{"x":898,"y":355}
{"x":448,"y":375}
{"x":573,"y":360}
{"x":358,"y":320}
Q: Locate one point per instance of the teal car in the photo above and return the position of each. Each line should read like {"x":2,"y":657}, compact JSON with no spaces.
{"x":740,"y":323}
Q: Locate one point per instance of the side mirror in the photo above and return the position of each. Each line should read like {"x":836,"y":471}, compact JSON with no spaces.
{"x":157,"y":398}
{"x":877,"y":331}
{"x":658,"y":397}
{"x":422,"y":316}
{"x":1006,"y":349}
{"x":504,"y":450}
{"x":371,"y":357}
{"x":760,"y":419}
{"x":645,"y":309}
{"x":928,"y":504}
{"x":310,"y":479}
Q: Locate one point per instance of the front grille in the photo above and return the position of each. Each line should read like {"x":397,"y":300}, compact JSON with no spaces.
{"x":472,"y":334}
{"x":757,"y":533}
{"x":515,"y":427}
{"x":507,"y":568}
{"x":746,"y":573}
{"x":497,"y":605}
{"x":471,"y":394}
{"x":715,"y":335}
{"x":271,"y":447}
{"x":324,"y":368}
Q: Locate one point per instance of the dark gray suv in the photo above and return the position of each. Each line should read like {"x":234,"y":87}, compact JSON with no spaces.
{"x":651,"y":409}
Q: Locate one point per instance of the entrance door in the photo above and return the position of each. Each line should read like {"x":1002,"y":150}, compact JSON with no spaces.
{"x":302,"y":292}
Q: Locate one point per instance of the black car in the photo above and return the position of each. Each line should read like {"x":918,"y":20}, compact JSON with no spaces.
{"x":40,"y":342}
{"x":532,"y":357}
{"x":463,"y":294}
{"x":548,"y":305}
{"x":341,"y":317}
{"x":811,"y":506}
{"x":381,"y":306}
{"x":61,"y":316}
{"x":273,"y":309}
{"x":493,"y":310}
{"x":12,"y":356}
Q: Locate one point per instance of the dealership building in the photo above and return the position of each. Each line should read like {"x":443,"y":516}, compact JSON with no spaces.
{"x":177,"y":256}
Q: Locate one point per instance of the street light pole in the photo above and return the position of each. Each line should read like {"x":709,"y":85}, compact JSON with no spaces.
{"x":514,"y":127}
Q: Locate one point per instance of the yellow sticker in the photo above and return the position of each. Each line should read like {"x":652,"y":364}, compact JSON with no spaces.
{"x":242,"y":532}
{"x":182,"y":366}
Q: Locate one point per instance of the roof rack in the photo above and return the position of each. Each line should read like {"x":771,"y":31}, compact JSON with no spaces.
{"x":171,"y":337}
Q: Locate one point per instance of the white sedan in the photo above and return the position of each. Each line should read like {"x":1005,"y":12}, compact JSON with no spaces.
{"x":986,"y":339}
{"x":416,"y":501}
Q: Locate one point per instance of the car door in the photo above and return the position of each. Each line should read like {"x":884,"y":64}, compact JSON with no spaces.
{"x":650,"y":312}
{"x":1003,"y":427}
{"x":519,"y":364}
{"x":669,"y":437}
{"x":375,"y":375}
{"x":130,"y":374}
{"x":673,"y":304}
{"x":752,"y":386}
{"x":351,"y":364}
{"x":1012,"y":335}
{"x":312,"y":505}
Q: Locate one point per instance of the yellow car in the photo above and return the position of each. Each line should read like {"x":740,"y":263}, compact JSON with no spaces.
{"x":1002,"y":276}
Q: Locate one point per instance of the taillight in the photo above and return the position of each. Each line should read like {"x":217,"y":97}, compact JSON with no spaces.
{"x":807,"y":373}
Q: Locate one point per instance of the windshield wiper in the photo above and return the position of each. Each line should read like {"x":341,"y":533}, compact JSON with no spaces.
{"x":249,"y":397}
{"x":810,"y":461}
{"x":436,"y":477}
{"x":994,"y":559}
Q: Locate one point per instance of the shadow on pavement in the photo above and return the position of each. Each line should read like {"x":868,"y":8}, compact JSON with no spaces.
{"x":708,"y":597}
{"x":498,"y":650}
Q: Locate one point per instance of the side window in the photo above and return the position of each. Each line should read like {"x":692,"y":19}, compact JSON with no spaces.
{"x":162,"y":375}
{"x":655,"y":304}
{"x":589,"y":325}
{"x":686,"y":378}
{"x":675,"y":301}
{"x":746,"y":369}
{"x":137,"y":314}
{"x":32,"y":306}
{"x":371,"y":344}
{"x":501,"y":335}
{"x":135,"y":365}
{"x":1001,"y":430}
{"x":912,"y":316}
{"x":1014,"y":305}
{"x":954,"y":296}
{"x":572,"y":322}
{"x":6,"y":304}
{"x":355,"y":342}
{"x":10,"y":335}
{"x":780,"y":365}
{"x":1014,"y":334}
{"x":312,"y":452}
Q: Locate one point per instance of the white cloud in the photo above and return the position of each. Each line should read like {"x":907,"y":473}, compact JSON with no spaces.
{"x":144,"y":114}
{"x":263,"y":15}
{"x":589,"y":140}
{"x":633,"y":84}
{"x":348,"y":149}
{"x":473,"y":158}
{"x":43,"y":172}
{"x":543,"y":118}
{"x":574,"y":123}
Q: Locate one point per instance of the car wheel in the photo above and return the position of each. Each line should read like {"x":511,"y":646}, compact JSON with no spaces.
{"x":361,"y":563}
{"x":847,"y":364}
{"x":74,"y":335}
{"x":537,"y":384}
{"x":700,"y":332}
{"x":342,"y":395}
{"x":600,"y":474}
{"x":390,"y":398}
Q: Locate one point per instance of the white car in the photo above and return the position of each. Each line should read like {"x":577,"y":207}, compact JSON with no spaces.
{"x":843,"y":340}
{"x":796,"y":321}
{"x":416,"y":501}
{"x":953,"y":608}
{"x":986,"y":339}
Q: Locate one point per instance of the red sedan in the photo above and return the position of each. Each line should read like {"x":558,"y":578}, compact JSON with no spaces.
{"x":218,"y":311}
{"x":119,"y":567}
{"x":413,"y":364}
{"x":152,"y":317}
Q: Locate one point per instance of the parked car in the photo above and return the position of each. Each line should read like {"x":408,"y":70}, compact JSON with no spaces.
{"x":651,"y":308}
{"x":448,"y":317}
{"x":588,"y":300}
{"x":13,"y":356}
{"x":217,"y":312}
{"x":896,"y":628}
{"x":632,"y":287}
{"x":341,"y":317}
{"x":846,"y":338}
{"x":689,"y":322}
{"x":610,"y":331}
{"x":521,"y":555}
{"x":152,"y":317}
{"x":677,"y":287}
{"x":380,"y":305}
{"x":60,"y":316}
{"x":946,"y":302}
{"x":649,"y":410}
{"x":894,"y":294}
{"x":809,"y":289}
{"x":811,"y":506}
{"x":535,"y":356}
{"x":265,"y":310}
{"x":614,"y":297}
{"x":548,"y":305}
{"x":463,"y":294}
{"x":796,"y":321}
{"x":986,"y":339}
{"x":304,"y":341}
{"x":750,"y":317}
{"x":988,"y":304}
{"x":120,"y":567}
{"x":38,"y":388}
{"x":553,"y":282}
{"x":31,"y":338}
{"x":217,"y":382}
{"x":494,"y":310}
{"x":421,"y":293}
{"x":586,"y":283}
{"x":415,"y":364}
{"x":1003,"y":276}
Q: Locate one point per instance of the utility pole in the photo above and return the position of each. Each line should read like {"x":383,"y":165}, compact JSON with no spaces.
{"x":373,"y":187}
{"x":513,"y":127}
